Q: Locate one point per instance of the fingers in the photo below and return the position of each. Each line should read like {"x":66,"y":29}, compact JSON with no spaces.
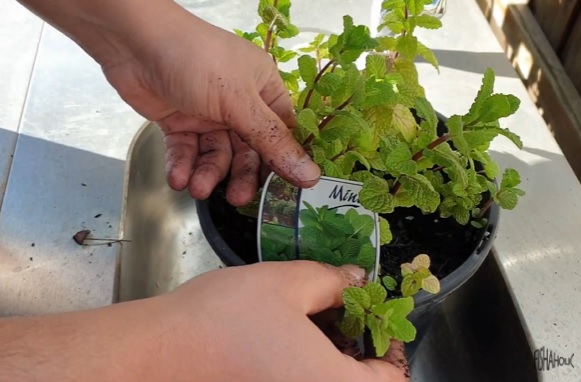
{"x":180,"y":157}
{"x":266,"y":133}
{"x":212,"y":165}
{"x":243,"y":182}
{"x":391,"y":367}
{"x":315,"y":287}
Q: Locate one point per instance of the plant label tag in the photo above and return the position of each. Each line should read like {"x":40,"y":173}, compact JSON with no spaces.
{"x":325,"y":223}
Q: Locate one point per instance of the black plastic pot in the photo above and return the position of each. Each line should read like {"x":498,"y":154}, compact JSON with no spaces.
{"x":426,"y":304}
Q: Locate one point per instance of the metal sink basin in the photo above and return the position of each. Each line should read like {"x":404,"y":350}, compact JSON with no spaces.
{"x":476,"y":336}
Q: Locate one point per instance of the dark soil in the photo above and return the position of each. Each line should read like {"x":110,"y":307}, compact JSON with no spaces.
{"x":446,"y":242}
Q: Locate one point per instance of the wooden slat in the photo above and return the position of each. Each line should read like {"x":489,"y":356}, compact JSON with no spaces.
{"x":541,"y":71}
{"x":553,"y":17}
{"x":572,"y":55}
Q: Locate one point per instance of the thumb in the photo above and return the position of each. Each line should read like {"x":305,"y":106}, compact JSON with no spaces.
{"x":264,"y":131}
{"x":314,"y":287}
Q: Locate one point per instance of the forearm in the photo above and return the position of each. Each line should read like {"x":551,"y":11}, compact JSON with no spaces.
{"x":109,"y":30}
{"x":122,"y":342}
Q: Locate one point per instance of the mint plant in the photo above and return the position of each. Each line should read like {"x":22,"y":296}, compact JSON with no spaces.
{"x":374,"y":124}
{"x":331,"y":237}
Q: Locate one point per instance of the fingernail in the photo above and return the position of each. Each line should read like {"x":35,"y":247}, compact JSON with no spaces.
{"x":306,"y":171}
{"x":356,"y":275}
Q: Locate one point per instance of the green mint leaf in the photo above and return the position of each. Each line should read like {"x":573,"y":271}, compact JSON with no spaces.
{"x":291,"y":83}
{"x":308,"y":69}
{"x":512,"y":136}
{"x":329,"y":84}
{"x":477,"y":139}
{"x":375,"y":196}
{"x":411,"y":284}
{"x":385,"y":43}
{"x":362,"y":176}
{"x":397,"y":157}
{"x":284,"y":7}
{"x":498,"y":106}
{"x":508,"y":198}
{"x":425,"y":110}
{"x":456,"y":129}
{"x":400,"y":306}
{"x":385,"y":236}
{"x":427,"y":21}
{"x":376,"y":93}
{"x":389,"y":283}
{"x":281,"y":54}
{"x":332,"y":170}
{"x":262,"y":5}
{"x":288,"y":31}
{"x":394,"y":21}
{"x":510,"y":179}
{"x":366,"y":257}
{"x":404,"y":122}
{"x":421,"y":191}
{"x":333,"y":148}
{"x":352,"y":326}
{"x":461,"y":214}
{"x":381,"y":341}
{"x":407,"y":46}
{"x":375,"y":66}
{"x":393,"y":4}
{"x":379,"y":118}
{"x":317,"y":151}
{"x":376,"y":292}
{"x":402,"y":329}
{"x":352,"y":157}
{"x":342,"y":128}
{"x":307,"y":124}
{"x":356,"y":301}
{"x":485,"y":91}
{"x":415,"y":7}
{"x":443,"y":155}
{"x":428,"y":55}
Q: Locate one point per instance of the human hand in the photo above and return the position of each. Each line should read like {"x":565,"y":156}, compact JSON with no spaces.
{"x":252,"y":323}
{"x":218,"y":98}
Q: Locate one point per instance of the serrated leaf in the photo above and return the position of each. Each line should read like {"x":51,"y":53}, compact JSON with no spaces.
{"x":376,"y":292}
{"x":356,"y":301}
{"x":428,"y":55}
{"x":308,"y":69}
{"x":375,"y":66}
{"x":385,"y":43}
{"x":376,"y":94}
{"x":425,"y":110}
{"x":389,"y":283}
{"x":307,"y":124}
{"x":427,"y":21}
{"x":400,"y":306}
{"x":381,"y":342}
{"x":497,"y":106}
{"x":415,"y":7}
{"x":291,"y":83}
{"x":352,"y":326}
{"x":508,"y":198}
{"x":342,"y":128}
{"x":385,"y":235}
{"x":329,"y":84}
{"x":332,"y":170}
{"x":375,"y":196}
{"x":318,"y":154}
{"x":486,"y":89}
{"x":431,"y":284}
{"x":363,"y":224}
{"x":407,"y":46}
{"x":366,"y":257}
{"x":407,"y":269}
{"x":443,"y":155}
{"x":419,"y":188}
{"x":421,"y":261}
{"x":456,"y":129}
{"x":510,"y":179}
{"x":461,"y":214}
{"x":402,"y":329}
{"x":393,"y":21}
{"x":404,"y":122}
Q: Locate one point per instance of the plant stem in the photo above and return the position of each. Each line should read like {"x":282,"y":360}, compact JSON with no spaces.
{"x":268,"y":40}
{"x":328,"y":119}
{"x":485,"y":207}
{"x":342,"y":153}
{"x":317,"y":78}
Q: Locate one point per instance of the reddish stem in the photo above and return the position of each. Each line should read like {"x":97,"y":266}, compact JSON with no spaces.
{"x":485,"y":207}
{"x":328,"y":119}
{"x":317,"y":78}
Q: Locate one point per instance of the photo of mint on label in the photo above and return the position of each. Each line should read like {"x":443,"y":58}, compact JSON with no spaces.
{"x":325,"y":223}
